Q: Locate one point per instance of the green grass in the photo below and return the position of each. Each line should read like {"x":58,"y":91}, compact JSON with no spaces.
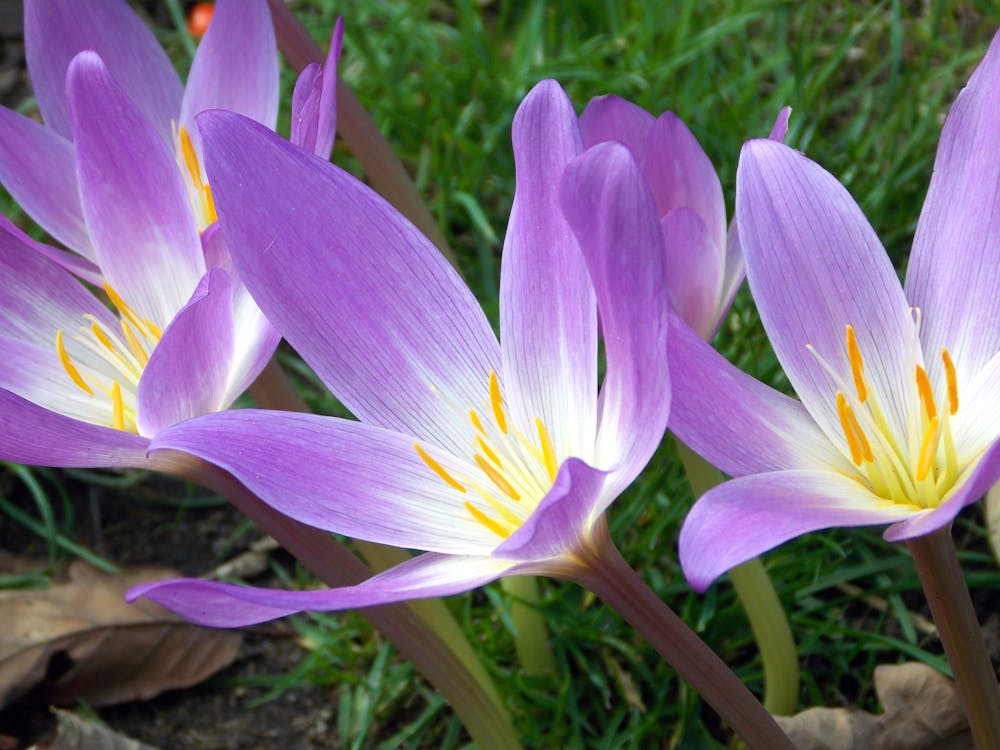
{"x":869,"y":86}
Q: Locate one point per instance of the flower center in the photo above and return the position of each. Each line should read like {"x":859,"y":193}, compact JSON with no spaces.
{"x":514,"y":471}
{"x":199,"y":193}
{"x":916,"y":469}
{"x":125,"y":354}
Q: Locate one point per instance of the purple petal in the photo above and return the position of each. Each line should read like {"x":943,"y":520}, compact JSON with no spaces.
{"x":748,"y":516}
{"x":235,"y":67}
{"x":254,"y":342}
{"x":608,"y":204}
{"x":34,"y":435}
{"x":563,"y":519}
{"x":189,"y":368}
{"x":780,"y":128}
{"x":314,"y":101}
{"x":694,"y":269}
{"x":338,"y":475}
{"x":815,"y":266}
{"x":224,"y":605}
{"x":952,"y":276}
{"x":55,"y":31}
{"x":134,"y":200}
{"x":736,"y":422}
{"x":611,"y":118}
{"x":215,"y":249}
{"x":80,"y":267}
{"x":366,"y":300}
{"x":38,"y":169}
{"x":548,"y":317}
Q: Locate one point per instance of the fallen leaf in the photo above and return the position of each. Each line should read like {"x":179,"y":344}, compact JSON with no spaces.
{"x":921,"y":712}
{"x":74,"y":733}
{"x":82,"y":641}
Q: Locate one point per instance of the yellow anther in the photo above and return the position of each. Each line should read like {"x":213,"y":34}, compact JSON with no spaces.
{"x":496,"y":477}
{"x":857,"y":365}
{"x":486,"y":521}
{"x":190,"y":157}
{"x":926,"y":395}
{"x":122,"y":306}
{"x":133,"y":343}
{"x":951,"y":379}
{"x":68,"y":365}
{"x":117,"y":407}
{"x":548,"y":451}
{"x":154,"y":329}
{"x":857,"y":442}
{"x":928,"y":449}
{"x":490,"y":453}
{"x":497,"y":401}
{"x":438,"y":468}
{"x":210,"y":213}
{"x":99,"y":334}
{"x":474,"y":418}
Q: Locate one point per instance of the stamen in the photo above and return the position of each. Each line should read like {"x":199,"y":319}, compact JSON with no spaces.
{"x":438,"y":468}
{"x":123,"y":307}
{"x":210,"y":213}
{"x":68,"y":365}
{"x":190,"y":157}
{"x":497,"y":401}
{"x":117,"y":407}
{"x":497,"y":478}
{"x":133,"y":343}
{"x":926,"y":395}
{"x":952,"y":380}
{"x":928,"y":449}
{"x":857,"y":442}
{"x":548,"y":452}
{"x":474,"y":418}
{"x":99,"y":334}
{"x":490,"y":453}
{"x":857,"y":365}
{"x":486,"y":521}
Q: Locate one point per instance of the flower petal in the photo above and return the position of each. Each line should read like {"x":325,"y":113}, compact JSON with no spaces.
{"x":189,"y":368}
{"x":694,"y":269}
{"x":548,"y":317}
{"x":136,"y":207}
{"x":34,"y":435}
{"x":952,"y":276}
{"x":38,"y":169}
{"x":254,"y":343}
{"x":736,"y":422}
{"x":224,"y":605}
{"x":75,"y":264}
{"x":815,"y":266}
{"x":337,"y":475}
{"x":366,"y":300}
{"x":56,"y":30}
{"x":611,"y":118}
{"x":609,"y":206}
{"x":748,"y":516}
{"x":314,"y":101}
{"x":235,"y":66}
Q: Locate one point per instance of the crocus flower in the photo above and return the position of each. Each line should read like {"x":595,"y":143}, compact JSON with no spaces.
{"x":495,"y":459}
{"x":115,"y":174}
{"x":899,"y":414}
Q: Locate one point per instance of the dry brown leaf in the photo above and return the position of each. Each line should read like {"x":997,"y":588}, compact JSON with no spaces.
{"x":921,"y":712}
{"x":74,"y":733}
{"x":83,"y":641}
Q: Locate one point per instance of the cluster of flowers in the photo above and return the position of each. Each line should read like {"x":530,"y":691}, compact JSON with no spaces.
{"x":212,"y":236}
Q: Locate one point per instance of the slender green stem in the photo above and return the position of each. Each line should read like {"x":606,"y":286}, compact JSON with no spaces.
{"x":606,"y":573}
{"x":760,"y":602}
{"x":948,"y":597}
{"x":993,"y":519}
{"x":531,"y":631}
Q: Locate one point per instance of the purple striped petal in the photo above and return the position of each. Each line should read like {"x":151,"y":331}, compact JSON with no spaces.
{"x":815,"y":266}
{"x":366,"y":300}
{"x":34,"y":435}
{"x":55,"y":31}
{"x":694,"y":269}
{"x":76,"y":265}
{"x":224,"y":605}
{"x":735,"y":422}
{"x":134,"y":200}
{"x":608,"y":204}
{"x":548,"y":317}
{"x":611,"y":118}
{"x":339,"y":475}
{"x":189,"y":368}
{"x":952,"y":276}
{"x":314,"y":101}
{"x":748,"y":516}
{"x":254,"y":343}
{"x":38,"y":169}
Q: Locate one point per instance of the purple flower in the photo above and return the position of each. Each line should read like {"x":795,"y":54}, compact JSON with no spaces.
{"x":899,"y":414}
{"x":494,"y":459}
{"x":115,"y":174}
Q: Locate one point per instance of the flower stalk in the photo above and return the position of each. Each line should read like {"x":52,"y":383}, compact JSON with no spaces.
{"x":760,"y":602}
{"x":948,"y":597}
{"x":531,"y":632}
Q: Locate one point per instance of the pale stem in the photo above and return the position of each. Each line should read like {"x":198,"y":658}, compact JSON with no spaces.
{"x":760,"y":602}
{"x":356,"y":127}
{"x":948,"y":597}
{"x":993,"y":519}
{"x":606,"y":573}
{"x":483,"y":715}
{"x":531,"y":632}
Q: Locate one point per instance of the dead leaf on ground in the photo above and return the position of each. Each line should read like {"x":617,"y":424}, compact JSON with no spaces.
{"x":74,"y":733}
{"x":921,"y":712}
{"x":84,"y":642}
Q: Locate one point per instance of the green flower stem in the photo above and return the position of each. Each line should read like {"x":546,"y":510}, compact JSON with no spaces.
{"x":951,"y":607}
{"x":603,"y":570}
{"x":356,"y":127}
{"x":483,"y":715}
{"x":760,"y":602}
{"x":531,"y":633}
